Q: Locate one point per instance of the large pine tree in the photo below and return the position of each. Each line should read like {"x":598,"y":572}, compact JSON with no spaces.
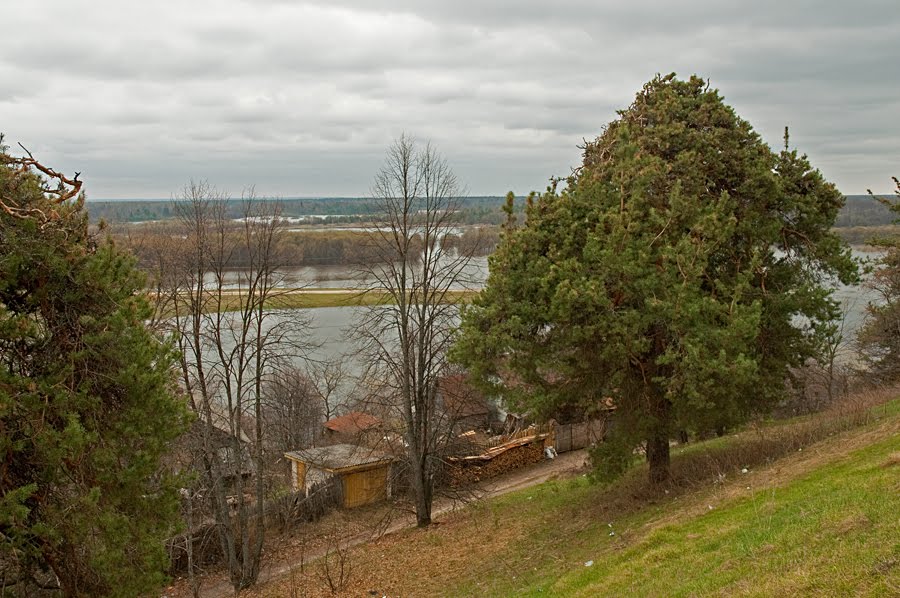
{"x":86,"y":400}
{"x":680,"y":273}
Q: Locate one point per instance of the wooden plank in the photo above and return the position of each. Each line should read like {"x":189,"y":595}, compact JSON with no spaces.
{"x":364,"y":487}
{"x":298,"y":475}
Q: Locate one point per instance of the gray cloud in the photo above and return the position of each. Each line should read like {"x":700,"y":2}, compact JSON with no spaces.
{"x":302,"y":98}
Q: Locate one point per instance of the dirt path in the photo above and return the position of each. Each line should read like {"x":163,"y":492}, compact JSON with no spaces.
{"x":564,"y":465}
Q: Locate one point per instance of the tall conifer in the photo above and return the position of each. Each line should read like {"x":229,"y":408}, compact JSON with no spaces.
{"x":86,"y":400}
{"x":680,"y":273}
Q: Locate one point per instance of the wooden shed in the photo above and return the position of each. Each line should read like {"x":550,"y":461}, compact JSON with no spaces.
{"x":364,"y":473}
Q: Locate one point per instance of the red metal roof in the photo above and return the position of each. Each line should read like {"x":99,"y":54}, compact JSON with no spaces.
{"x":352,"y":423}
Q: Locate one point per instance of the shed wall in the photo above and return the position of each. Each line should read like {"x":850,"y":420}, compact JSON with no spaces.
{"x":364,"y":487}
{"x":571,"y":437}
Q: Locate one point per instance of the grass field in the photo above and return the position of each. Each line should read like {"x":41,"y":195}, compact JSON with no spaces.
{"x":816,"y":513}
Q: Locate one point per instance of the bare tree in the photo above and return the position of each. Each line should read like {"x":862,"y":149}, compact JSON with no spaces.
{"x":298,"y":400}
{"x":405,"y":342}
{"x":879,"y":338}
{"x":836,"y":351}
{"x":821,"y":381}
{"x":293,"y":410}
{"x":329,"y":377}
{"x":230,"y":345}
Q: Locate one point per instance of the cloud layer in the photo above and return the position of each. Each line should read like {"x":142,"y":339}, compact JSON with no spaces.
{"x":301,"y":99}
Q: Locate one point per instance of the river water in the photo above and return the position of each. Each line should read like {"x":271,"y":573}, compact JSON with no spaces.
{"x":348,"y":277}
{"x":327,"y":337}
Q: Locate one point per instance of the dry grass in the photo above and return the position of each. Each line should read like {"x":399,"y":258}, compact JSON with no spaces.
{"x":763,"y":443}
{"x":892,"y":461}
{"x":524,"y":540}
{"x":313,"y":298}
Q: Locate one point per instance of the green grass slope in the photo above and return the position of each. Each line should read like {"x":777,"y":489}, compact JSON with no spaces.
{"x":833,"y":531}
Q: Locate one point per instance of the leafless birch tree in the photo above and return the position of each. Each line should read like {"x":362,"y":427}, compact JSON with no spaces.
{"x":404,"y":344}
{"x":294,"y":410}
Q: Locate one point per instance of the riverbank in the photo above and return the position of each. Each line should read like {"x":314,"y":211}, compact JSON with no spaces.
{"x":306,"y":298}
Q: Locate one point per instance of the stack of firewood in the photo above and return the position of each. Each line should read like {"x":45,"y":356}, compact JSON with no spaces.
{"x":472,"y":471}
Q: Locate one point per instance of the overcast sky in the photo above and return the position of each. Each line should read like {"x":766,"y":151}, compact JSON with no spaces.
{"x":301,"y":98}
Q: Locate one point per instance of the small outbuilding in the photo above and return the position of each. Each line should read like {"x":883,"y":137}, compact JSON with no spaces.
{"x":355,"y":427}
{"x":363,"y":473}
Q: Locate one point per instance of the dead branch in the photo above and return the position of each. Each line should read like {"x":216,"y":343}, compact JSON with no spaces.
{"x":65,"y":189}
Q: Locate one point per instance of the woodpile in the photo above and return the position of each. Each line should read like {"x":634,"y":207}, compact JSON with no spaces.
{"x":471,"y":470}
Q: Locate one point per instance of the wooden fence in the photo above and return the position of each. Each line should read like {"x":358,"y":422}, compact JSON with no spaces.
{"x":202,"y":548}
{"x":571,"y":437}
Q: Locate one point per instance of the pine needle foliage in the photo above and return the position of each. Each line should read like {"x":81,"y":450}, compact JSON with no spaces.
{"x":86,"y":403}
{"x":682,"y":272}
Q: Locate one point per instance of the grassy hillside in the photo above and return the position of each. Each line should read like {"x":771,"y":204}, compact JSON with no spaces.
{"x":831,"y":531}
{"x":816,"y":513}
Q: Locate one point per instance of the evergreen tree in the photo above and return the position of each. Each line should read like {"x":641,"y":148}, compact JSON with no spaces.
{"x":86,"y":400}
{"x":679,"y":273}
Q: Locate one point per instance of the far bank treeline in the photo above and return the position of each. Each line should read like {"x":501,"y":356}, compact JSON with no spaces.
{"x":298,"y":248}
{"x":859,"y":211}
{"x":325,"y":210}
{"x":145,"y":225}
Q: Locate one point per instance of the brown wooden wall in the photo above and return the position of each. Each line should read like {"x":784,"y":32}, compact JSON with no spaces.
{"x":571,"y":437}
{"x":298,"y":475}
{"x":364,"y":487}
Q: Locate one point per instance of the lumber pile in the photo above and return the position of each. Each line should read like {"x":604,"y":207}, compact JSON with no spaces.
{"x":503,"y":459}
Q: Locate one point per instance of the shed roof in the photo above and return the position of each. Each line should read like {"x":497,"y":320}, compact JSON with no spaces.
{"x":352,"y":423}
{"x":339,"y":456}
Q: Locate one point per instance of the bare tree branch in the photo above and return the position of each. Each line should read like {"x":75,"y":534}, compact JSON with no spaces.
{"x":404,"y":344}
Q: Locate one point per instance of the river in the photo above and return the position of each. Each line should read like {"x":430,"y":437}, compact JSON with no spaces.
{"x":327,"y":334}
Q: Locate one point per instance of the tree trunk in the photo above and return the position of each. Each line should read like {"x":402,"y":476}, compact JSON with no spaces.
{"x":658,"y":457}
{"x":423,"y":512}
{"x":659,"y":428}
{"x":421,"y":492}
